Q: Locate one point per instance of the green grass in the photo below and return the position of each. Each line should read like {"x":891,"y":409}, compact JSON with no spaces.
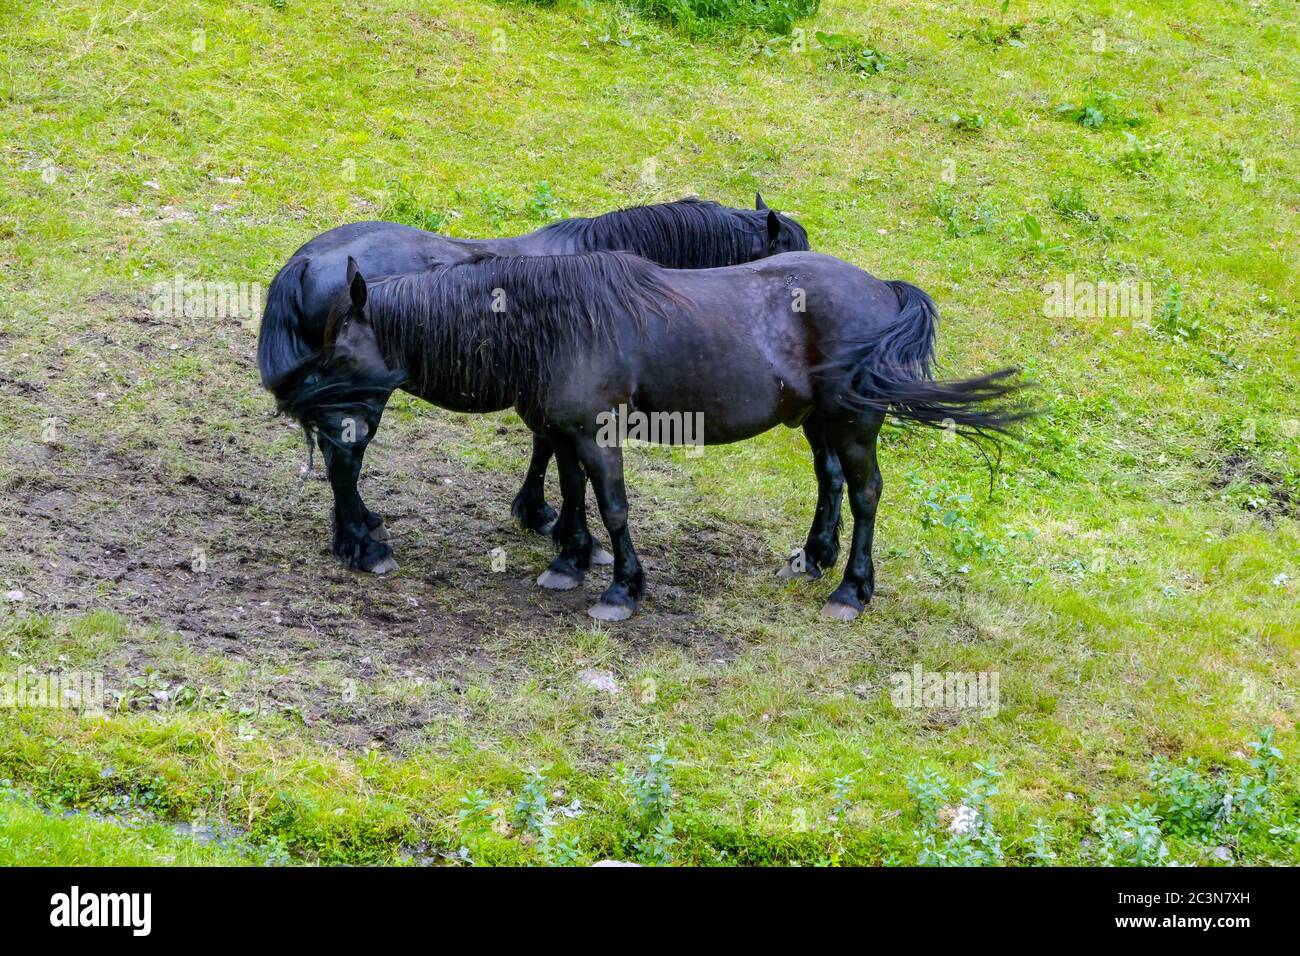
{"x":32,"y":836}
{"x":1132,"y":576}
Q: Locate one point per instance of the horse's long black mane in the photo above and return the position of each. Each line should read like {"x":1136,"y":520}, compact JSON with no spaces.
{"x":496,"y":324}
{"x":687,"y":234}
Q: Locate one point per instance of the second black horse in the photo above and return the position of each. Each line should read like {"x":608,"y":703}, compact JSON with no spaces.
{"x":687,"y":234}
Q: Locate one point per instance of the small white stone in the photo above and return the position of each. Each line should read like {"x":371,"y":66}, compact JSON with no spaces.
{"x":599,"y":680}
{"x":964,"y":819}
{"x":15,"y":596}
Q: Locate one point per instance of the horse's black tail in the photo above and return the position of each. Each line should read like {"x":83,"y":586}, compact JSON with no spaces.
{"x":890,"y":370}
{"x":280,"y":345}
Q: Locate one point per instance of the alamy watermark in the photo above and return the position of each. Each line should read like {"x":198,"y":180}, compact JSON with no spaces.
{"x":180,"y":297}
{"x":624,"y":427}
{"x":60,"y":690}
{"x":948,"y":690}
{"x":1083,"y":299}
{"x":75,"y":908}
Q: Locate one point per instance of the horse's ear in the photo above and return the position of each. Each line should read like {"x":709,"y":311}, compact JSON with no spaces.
{"x":758,"y":202}
{"x":356,"y":287}
{"x":773,"y":227}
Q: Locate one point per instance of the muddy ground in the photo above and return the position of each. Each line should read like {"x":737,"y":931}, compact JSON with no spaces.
{"x":192,"y":529}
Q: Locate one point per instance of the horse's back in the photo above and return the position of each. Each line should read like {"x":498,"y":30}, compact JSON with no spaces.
{"x":836,"y":297}
{"x":379,"y":248}
{"x":351,"y":232}
{"x":745,"y":350}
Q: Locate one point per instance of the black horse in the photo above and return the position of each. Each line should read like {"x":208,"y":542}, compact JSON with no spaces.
{"x":688,"y":234}
{"x":795,"y":339}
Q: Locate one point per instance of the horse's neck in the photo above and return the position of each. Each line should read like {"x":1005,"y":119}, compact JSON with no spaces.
{"x":445,"y":359}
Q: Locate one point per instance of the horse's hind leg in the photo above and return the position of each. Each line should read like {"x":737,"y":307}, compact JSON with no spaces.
{"x":822,"y":548}
{"x":530,"y":507}
{"x":855,"y":444}
{"x":605,"y":468}
{"x":570,"y":532}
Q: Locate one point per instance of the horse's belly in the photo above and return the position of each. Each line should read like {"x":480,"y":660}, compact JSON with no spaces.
{"x":734,"y":383}
{"x":722,"y":410}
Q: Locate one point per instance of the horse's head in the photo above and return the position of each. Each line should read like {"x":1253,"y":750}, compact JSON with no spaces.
{"x":351,"y":346}
{"x":776,"y":233}
{"x":340,"y":391}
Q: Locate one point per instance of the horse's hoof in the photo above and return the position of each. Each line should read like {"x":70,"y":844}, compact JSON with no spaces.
{"x":557,"y":581}
{"x":541,"y":525}
{"x":604,"y":611}
{"x":539,"y":520}
{"x":379,"y":533}
{"x":389,"y":563}
{"x":839,"y":612}
{"x":600,"y":557}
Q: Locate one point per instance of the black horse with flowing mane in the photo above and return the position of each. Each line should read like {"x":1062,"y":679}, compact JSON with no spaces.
{"x":798,"y":339}
{"x":687,"y":234}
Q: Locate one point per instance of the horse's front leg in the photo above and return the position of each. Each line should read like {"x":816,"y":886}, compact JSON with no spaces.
{"x":570,"y":566}
{"x":359,"y":533}
{"x":530,"y":507}
{"x":605,"y":469}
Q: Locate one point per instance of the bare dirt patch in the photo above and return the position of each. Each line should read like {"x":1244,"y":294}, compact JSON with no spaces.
{"x":224,"y":556}
{"x":1271,"y":498}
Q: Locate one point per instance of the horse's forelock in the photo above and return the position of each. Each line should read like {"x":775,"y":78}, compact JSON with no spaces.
{"x":334,"y":319}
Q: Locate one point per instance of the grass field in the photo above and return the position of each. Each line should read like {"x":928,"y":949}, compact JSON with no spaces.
{"x":1131,"y":574}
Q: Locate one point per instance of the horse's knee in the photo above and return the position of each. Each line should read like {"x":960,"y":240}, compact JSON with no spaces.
{"x":615,"y":516}
{"x":875,"y":488}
